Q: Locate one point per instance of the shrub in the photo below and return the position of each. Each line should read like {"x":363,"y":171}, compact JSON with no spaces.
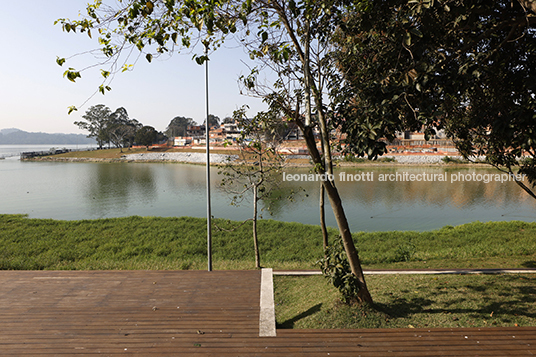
{"x":405,"y":252}
{"x":336,"y":269}
{"x":453,"y":160}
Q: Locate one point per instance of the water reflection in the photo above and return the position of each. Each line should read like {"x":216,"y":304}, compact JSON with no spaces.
{"x":94,"y":190}
{"x":435,"y":193}
{"x":274,"y":197}
{"x":418,"y":205}
{"x":114,"y":187}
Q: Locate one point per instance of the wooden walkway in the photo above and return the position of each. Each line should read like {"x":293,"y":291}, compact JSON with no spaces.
{"x":197,"y":313}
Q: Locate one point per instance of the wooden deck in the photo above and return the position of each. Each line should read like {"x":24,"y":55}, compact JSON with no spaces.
{"x":197,"y":313}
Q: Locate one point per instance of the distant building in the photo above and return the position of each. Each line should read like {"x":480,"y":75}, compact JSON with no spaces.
{"x":182,"y":141}
{"x":195,"y":131}
{"x":419,"y":135}
{"x":231,"y":131}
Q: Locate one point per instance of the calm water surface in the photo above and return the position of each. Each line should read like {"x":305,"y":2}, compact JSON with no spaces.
{"x":98,"y":190}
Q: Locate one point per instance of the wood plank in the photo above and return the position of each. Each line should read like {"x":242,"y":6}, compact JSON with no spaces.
{"x":198,"y":313}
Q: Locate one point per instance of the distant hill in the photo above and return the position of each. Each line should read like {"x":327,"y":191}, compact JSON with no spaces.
{"x":20,"y":137}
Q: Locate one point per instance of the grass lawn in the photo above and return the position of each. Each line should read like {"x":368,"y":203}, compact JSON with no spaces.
{"x":306,"y":302}
{"x":403,"y":301}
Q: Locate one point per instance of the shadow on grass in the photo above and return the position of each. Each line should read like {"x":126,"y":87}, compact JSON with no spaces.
{"x":506,"y":299}
{"x":529,"y":264}
{"x":290,"y":322}
{"x":401,"y":307}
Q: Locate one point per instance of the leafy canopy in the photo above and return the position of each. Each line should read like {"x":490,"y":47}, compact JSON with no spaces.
{"x":465,"y":66}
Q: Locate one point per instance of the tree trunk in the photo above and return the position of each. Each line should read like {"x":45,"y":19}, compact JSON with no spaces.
{"x":323,"y":218}
{"x":340,"y":217}
{"x":255,"y":239}
{"x":326,"y":165}
{"x":349,"y":247}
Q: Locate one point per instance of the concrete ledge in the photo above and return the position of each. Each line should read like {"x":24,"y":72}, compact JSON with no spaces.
{"x":297,"y":272}
{"x":414,"y":271}
{"x":451,"y":271}
{"x":267,"y":313}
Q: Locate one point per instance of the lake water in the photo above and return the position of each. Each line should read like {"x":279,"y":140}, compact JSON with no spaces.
{"x":97,"y":190}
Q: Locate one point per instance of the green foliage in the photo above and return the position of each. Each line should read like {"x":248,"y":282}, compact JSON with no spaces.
{"x":405,"y":251}
{"x":213,"y":121}
{"x":95,"y":121}
{"x":336,"y":269}
{"x":353,"y":158}
{"x":257,"y":169}
{"x":103,"y":89}
{"x":258,"y":165}
{"x":60,"y":61}
{"x":146,"y":136}
{"x":178,"y":126}
{"x":463,"y":66}
{"x":106,"y":127}
{"x":453,"y":160}
{"x":122,"y":130}
{"x":71,"y":74}
{"x":387,"y":159}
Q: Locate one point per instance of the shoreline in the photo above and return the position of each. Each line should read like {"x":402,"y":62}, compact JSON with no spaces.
{"x":216,"y":159}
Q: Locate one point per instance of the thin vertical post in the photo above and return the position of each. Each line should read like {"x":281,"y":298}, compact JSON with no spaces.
{"x":207,"y":130}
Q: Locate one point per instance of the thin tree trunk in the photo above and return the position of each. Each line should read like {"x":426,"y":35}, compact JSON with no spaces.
{"x":323,"y":218}
{"x":255,"y":239}
{"x":307,"y":76}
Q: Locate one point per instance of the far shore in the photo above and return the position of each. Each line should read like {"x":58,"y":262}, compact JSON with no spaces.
{"x":219,"y":156}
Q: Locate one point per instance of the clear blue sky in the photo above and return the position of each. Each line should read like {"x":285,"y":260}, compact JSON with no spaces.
{"x":34,"y":96}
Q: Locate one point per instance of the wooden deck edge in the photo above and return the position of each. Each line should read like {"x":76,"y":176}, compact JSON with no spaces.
{"x":267,"y":307}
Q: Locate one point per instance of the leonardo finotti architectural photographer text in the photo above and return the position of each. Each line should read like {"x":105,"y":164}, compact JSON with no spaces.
{"x":407,"y":177}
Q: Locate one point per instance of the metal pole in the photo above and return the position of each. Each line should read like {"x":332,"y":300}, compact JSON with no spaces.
{"x":207,"y":126}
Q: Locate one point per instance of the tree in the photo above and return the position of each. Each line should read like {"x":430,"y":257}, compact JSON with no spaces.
{"x":160,"y":137}
{"x":121,"y":130}
{"x":178,"y":126}
{"x":108,"y":127}
{"x":96,"y":121}
{"x":468,"y":67}
{"x":133,"y":127}
{"x":146,"y":136}
{"x":212,"y":121}
{"x":291,"y":38}
{"x":257,"y":168}
{"x":294,"y":40}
